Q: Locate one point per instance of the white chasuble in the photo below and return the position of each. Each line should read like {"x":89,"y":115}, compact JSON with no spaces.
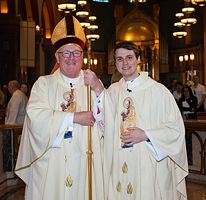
{"x":58,"y":173}
{"x":137,"y":173}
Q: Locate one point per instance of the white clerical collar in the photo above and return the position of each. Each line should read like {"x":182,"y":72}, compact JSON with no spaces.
{"x":72,"y":81}
{"x":132,"y":83}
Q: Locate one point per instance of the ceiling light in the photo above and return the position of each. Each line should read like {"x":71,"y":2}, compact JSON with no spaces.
{"x":179,"y":24}
{"x":199,"y":2}
{"x":180,"y":34}
{"x":82,"y":13}
{"x":179,"y":15}
{"x":66,"y":6}
{"x":82,"y":3}
{"x":189,"y":21}
{"x":92,"y":37}
{"x":188,"y":10}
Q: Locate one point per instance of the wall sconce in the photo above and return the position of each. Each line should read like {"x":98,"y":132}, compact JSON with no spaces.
{"x":85,"y":61}
{"x":186,"y":57}
{"x":92,"y":61}
{"x":181,"y":58}
{"x":189,"y":72}
{"x":192,"y":56}
{"x":95,"y":61}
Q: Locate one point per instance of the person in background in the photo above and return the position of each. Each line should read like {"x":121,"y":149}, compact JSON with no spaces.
{"x":173,"y":85}
{"x":7,"y":95}
{"x":177,"y":93}
{"x":149,"y":154}
{"x":1,"y":97}
{"x":188,"y":107}
{"x":25,"y":89}
{"x":52,"y":158}
{"x":199,"y":91}
{"x":16,"y":108}
{"x":188,"y":103}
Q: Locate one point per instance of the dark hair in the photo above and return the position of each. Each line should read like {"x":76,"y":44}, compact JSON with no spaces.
{"x":189,"y":89}
{"x":129,"y":46}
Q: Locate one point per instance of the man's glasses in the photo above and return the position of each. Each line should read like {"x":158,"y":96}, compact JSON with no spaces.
{"x":120,"y":60}
{"x":68,"y":54}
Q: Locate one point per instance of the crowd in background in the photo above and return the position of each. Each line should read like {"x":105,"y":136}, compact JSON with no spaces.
{"x":13,"y":101}
{"x":190,"y":98}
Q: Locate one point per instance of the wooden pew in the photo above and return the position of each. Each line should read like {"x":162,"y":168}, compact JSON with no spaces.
{"x":192,"y":127}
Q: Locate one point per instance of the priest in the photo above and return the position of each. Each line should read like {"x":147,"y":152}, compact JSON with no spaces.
{"x":149,"y":154}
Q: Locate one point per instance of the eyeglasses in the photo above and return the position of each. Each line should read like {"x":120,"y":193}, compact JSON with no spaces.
{"x":67,"y":54}
{"x":120,"y":60}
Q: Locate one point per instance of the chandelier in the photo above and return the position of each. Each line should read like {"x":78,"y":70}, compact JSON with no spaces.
{"x":187,"y":19}
{"x":179,"y":34}
{"x":66,"y":7}
{"x":199,"y":2}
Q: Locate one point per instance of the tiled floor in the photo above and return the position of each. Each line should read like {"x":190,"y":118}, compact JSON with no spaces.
{"x":195,"y":192}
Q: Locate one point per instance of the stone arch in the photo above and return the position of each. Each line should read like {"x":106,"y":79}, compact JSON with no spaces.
{"x":141,"y":29}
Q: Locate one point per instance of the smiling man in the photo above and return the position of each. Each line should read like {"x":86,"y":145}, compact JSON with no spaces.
{"x":149,"y":159}
{"x":52,"y":158}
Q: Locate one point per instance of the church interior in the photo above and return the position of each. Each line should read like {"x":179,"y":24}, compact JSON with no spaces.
{"x":171,"y":37}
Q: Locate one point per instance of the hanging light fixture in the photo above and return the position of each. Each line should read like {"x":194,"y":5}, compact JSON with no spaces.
{"x":93,"y":25}
{"x":66,"y":6}
{"x":82,"y":13}
{"x":82,"y":3}
{"x":180,"y":34}
{"x":179,"y":15}
{"x":188,"y":10}
{"x":199,"y":2}
{"x":187,"y":19}
{"x":93,"y":35}
{"x":179,"y":24}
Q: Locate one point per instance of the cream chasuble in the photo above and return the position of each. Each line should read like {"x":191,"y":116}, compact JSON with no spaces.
{"x":137,"y":174}
{"x":59,"y":173}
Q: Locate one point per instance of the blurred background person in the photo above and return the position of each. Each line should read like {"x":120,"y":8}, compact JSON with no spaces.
{"x":188,"y":107}
{"x":25,"y":89}
{"x":1,"y":97}
{"x":172,"y":86}
{"x":177,"y":93}
{"x":16,"y":108}
{"x":199,"y":91}
{"x":188,"y":103}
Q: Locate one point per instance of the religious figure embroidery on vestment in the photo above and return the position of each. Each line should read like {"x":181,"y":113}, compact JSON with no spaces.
{"x":125,"y":168}
{"x":69,"y":106}
{"x":128,"y":118}
{"x":69,"y":181}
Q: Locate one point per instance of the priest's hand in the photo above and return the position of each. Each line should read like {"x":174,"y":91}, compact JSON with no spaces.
{"x":133,"y":135}
{"x":91,"y":79}
{"x":84,"y":118}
